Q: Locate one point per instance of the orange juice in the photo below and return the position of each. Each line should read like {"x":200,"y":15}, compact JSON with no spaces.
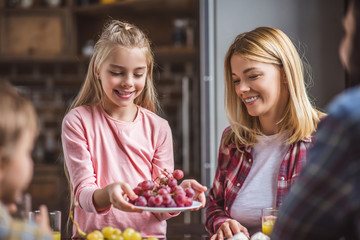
{"x":267,"y":226}
{"x":56,"y":235}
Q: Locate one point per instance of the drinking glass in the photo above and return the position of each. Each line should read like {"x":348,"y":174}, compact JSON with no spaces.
{"x":268,"y":219}
{"x":22,"y":207}
{"x":55,"y":222}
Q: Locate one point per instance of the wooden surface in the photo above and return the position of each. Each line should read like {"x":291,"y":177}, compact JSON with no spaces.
{"x":33,"y":35}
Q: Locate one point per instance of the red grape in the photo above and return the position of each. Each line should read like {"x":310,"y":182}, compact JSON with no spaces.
{"x":151,"y":201}
{"x":178,"y":174}
{"x":188,"y":202}
{"x":164,"y":191}
{"x":137,"y":190}
{"x":180,"y":199}
{"x":172,"y":182}
{"x":158,"y":200}
{"x":171,"y":204}
{"x":147,"y":185}
{"x":147,"y":194}
{"x":190,"y":193}
{"x":140,"y":201}
{"x":167,"y":199}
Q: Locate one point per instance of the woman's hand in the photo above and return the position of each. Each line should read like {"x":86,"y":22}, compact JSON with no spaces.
{"x":199,"y":191}
{"x":228,"y":229}
{"x":115,"y":194}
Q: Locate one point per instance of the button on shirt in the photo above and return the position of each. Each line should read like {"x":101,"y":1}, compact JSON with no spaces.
{"x":233,"y":168}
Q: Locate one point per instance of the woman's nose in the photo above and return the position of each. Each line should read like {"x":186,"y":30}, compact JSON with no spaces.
{"x":242,"y":87}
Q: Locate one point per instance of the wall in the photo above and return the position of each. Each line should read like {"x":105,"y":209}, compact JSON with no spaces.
{"x":313,"y":25}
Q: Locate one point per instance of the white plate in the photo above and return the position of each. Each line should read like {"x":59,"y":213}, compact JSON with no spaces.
{"x":195,"y":204}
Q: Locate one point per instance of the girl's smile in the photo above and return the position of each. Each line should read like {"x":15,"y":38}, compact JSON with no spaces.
{"x":123,"y":94}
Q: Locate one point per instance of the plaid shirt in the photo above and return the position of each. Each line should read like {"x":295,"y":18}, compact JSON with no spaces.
{"x":11,"y":229}
{"x":232,"y":170}
{"x":325,"y":201}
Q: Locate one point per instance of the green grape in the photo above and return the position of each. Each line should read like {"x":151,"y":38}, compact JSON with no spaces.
{"x":95,"y":235}
{"x":117,"y":232}
{"x":152,"y":238}
{"x":107,"y":232}
{"x":128,"y":233}
{"x":136,"y":236}
{"x":112,"y":237}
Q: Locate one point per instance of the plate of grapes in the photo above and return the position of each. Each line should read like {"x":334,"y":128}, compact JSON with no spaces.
{"x":164,"y":195}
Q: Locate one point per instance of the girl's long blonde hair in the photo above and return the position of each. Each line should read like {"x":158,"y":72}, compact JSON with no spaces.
{"x":115,"y":34}
{"x":269,"y":45}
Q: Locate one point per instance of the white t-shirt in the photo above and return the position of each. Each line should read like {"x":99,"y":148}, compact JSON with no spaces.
{"x":260,"y":186}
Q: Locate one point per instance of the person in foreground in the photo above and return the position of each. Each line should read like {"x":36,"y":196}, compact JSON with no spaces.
{"x":325,"y":201}
{"x":112,"y":138}
{"x":18,"y":131}
{"x":271,"y":125}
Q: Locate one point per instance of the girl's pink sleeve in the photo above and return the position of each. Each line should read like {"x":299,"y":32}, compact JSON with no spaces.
{"x":78,"y":160}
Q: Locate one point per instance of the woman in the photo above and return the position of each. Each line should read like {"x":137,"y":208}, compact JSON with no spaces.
{"x":271,"y":124}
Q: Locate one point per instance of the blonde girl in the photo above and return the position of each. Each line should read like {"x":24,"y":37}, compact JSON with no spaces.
{"x":113,"y":139}
{"x":271,"y":124}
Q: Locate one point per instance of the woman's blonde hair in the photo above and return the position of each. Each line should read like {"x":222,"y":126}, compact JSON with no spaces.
{"x":117,"y":34}
{"x":269,"y":45}
{"x":17,"y":115}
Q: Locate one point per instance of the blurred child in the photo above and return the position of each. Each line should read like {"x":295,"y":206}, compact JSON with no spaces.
{"x":112,"y":137}
{"x":18,"y":130}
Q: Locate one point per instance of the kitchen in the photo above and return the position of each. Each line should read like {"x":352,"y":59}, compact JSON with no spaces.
{"x":189,"y":41}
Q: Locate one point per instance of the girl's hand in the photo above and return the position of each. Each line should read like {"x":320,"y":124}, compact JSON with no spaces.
{"x":228,"y":229}
{"x":115,"y":194}
{"x":199,"y":191}
{"x":43,"y":219}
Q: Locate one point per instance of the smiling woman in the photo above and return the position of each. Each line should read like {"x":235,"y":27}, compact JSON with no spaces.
{"x":271,"y":125}
{"x":263,"y":89}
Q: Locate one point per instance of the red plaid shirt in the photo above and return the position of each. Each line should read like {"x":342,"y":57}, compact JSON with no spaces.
{"x":232,"y":170}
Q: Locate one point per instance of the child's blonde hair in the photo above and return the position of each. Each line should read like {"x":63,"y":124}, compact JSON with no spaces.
{"x":269,"y":45}
{"x":16,"y":116}
{"x":117,"y":34}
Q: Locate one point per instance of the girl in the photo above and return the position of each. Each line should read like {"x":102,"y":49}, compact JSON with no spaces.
{"x":112,"y":138}
{"x":271,"y":123}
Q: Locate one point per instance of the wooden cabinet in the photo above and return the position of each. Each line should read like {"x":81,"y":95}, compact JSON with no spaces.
{"x":41,"y":53}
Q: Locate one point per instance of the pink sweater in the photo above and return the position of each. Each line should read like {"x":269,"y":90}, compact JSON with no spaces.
{"x":100,"y":150}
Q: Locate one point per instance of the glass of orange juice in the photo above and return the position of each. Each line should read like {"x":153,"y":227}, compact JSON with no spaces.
{"x":55,"y":224}
{"x":268,"y":219}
